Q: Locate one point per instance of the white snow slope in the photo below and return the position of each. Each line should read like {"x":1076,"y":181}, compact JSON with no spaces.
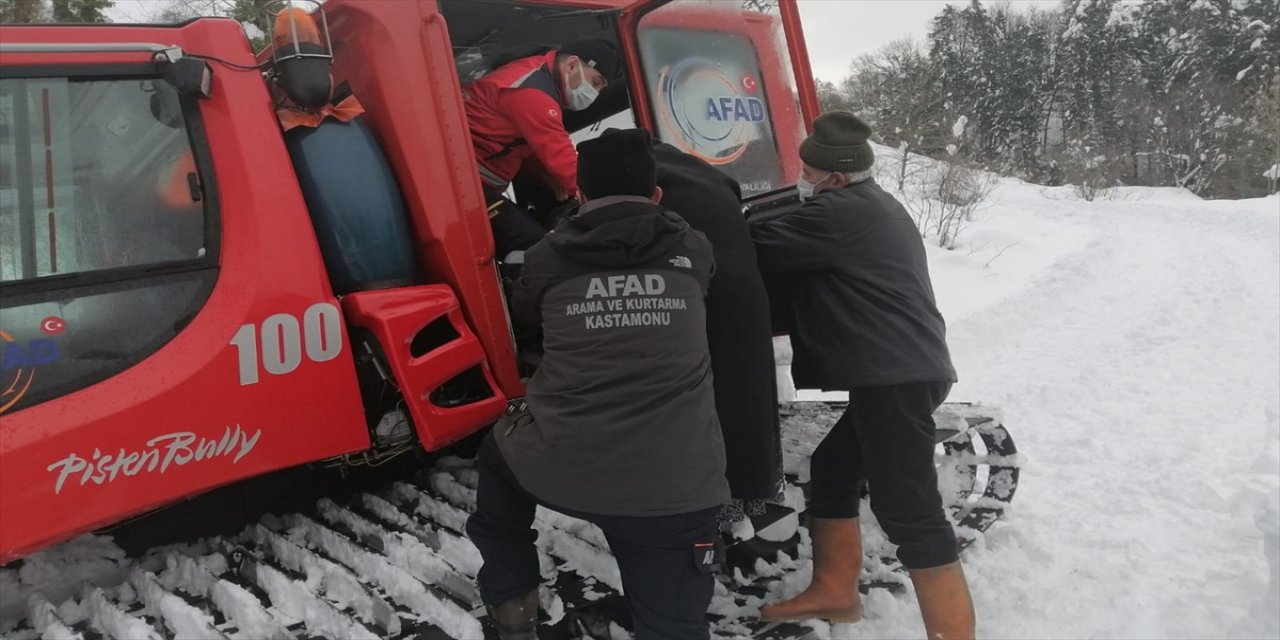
{"x":1132,"y":344}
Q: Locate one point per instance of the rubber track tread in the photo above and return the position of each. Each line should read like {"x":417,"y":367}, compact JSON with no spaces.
{"x":395,"y":563}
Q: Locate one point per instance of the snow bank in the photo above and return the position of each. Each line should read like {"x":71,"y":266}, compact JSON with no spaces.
{"x":1265,"y":613}
{"x":1133,"y":343}
{"x":1263,"y":619}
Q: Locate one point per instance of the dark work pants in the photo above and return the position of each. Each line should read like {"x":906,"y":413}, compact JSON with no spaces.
{"x":885,"y":439}
{"x":667,"y":592}
{"x":514,"y":229}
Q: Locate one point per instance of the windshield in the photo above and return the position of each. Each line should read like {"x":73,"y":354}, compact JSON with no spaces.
{"x":94,"y":175}
{"x":721,"y":89}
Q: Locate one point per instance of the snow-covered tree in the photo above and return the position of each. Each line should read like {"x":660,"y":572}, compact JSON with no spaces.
{"x":1103,"y":92}
{"x":961,"y":53}
{"x":1023,"y":89}
{"x":1264,"y":110}
{"x":79,"y":11}
{"x":897,"y":89}
{"x":1203,"y":62}
{"x":833,"y":98}
{"x":1093,"y":65}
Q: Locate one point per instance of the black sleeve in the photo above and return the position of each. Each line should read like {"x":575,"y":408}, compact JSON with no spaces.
{"x":704,"y":267}
{"x":526,"y":299}
{"x":811,"y":238}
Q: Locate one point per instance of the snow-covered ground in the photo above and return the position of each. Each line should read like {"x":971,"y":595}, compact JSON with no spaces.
{"x":1132,"y":344}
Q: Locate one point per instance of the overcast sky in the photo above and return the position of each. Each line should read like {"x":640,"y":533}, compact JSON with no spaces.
{"x":837,"y":31}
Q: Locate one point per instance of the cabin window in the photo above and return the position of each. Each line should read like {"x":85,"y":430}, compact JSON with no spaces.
{"x":721,"y":89}
{"x":91,"y":179}
{"x":107,"y":228}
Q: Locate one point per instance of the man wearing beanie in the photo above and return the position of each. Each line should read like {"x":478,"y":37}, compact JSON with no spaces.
{"x":516,"y":116}
{"x":620,"y":427}
{"x":863,"y":320}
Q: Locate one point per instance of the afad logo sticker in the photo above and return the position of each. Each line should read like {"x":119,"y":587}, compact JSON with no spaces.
{"x":19,"y":361}
{"x":713,"y":116}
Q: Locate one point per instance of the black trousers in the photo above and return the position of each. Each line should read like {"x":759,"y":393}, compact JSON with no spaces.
{"x":667,"y":582}
{"x":514,"y":229}
{"x":885,"y":439}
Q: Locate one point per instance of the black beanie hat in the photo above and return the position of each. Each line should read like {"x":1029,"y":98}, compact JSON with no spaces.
{"x":838,"y":143}
{"x":599,"y":54}
{"x":618,"y":163}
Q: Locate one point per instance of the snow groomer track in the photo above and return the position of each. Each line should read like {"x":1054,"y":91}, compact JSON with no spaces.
{"x":394,"y":563}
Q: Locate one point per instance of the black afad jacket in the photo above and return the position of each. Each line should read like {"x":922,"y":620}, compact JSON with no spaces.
{"x":622,"y":404}
{"x":862,"y":307}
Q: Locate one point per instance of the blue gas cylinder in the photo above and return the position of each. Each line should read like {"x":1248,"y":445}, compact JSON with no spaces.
{"x":355,"y":204}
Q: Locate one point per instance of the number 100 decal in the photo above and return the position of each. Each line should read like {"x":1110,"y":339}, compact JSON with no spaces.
{"x":283,"y":341}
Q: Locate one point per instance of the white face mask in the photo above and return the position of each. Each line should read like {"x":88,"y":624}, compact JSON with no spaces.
{"x":807,"y":188}
{"x":581,"y":96}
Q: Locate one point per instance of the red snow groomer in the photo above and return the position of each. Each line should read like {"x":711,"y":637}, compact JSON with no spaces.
{"x":205,"y":277}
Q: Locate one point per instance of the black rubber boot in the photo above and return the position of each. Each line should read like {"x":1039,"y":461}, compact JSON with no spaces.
{"x":517,"y":618}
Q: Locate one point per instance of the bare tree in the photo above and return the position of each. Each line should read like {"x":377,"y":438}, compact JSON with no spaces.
{"x":946,"y":197}
{"x":831,"y":97}
{"x":242,"y":11}
{"x":962,"y":189}
{"x":899,"y":92}
{"x":1093,"y":168}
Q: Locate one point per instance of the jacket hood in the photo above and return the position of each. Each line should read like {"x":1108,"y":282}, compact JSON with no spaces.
{"x":618,"y":231}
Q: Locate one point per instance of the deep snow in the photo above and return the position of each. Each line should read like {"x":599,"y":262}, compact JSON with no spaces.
{"x":1140,"y":374}
{"x":1132,"y":345}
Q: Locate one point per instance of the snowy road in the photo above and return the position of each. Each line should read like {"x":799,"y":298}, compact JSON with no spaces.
{"x":1140,"y":377}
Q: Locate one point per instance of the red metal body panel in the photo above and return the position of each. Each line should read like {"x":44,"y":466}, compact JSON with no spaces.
{"x":270,"y":264}
{"x":394,"y":316}
{"x":800,"y":62}
{"x":396,"y":56}
{"x":59,"y":460}
{"x":641,"y":107}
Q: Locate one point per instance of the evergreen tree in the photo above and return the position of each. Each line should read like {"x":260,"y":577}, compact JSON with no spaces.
{"x":1257,"y":165}
{"x":1093,"y":67}
{"x":1015,"y":107}
{"x":960,"y":52}
{"x":1211,"y":58}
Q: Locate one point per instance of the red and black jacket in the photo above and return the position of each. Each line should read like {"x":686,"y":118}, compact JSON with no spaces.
{"x":516,"y":112}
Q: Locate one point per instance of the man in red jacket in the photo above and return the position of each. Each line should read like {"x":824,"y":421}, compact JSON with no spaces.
{"x":516,"y":115}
